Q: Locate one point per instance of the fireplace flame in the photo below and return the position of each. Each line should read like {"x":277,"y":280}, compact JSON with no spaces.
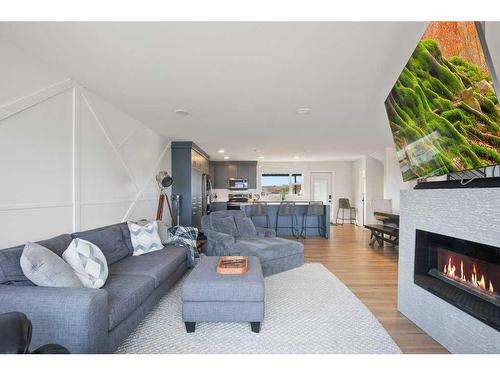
{"x":476,"y":280}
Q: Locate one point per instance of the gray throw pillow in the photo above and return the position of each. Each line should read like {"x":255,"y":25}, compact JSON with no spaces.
{"x":225,"y":225}
{"x":245,"y":226}
{"x":45,"y":268}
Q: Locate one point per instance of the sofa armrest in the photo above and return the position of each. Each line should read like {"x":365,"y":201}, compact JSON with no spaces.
{"x":76,"y":318}
{"x":265,"y":232}
{"x":219,"y":243}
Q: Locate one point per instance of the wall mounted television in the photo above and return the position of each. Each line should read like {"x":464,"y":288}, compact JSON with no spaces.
{"x":443,"y":110}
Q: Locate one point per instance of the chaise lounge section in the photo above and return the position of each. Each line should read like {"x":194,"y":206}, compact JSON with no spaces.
{"x":275,"y":254}
{"x":92,"y":320}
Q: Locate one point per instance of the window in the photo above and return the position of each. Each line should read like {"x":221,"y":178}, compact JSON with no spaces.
{"x":297,"y":183}
{"x":282,"y":183}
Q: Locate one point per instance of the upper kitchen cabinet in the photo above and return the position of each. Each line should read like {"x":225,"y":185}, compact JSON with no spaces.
{"x":199,"y":161}
{"x":222,"y":171}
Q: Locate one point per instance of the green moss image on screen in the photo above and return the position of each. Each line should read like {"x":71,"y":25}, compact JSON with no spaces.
{"x":444,"y":115}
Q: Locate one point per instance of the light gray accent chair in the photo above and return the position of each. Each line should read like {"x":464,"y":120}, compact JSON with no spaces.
{"x":88,"y":320}
{"x":275,"y":254}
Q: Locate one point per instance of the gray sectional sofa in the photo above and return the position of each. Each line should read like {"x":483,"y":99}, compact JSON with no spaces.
{"x":92,"y":320}
{"x":275,"y":254}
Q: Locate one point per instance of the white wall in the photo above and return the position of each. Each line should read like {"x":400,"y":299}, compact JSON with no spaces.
{"x":68,"y":159}
{"x":341,"y":175}
{"x":393,"y":179}
{"x":374,"y":186}
{"x":358,"y":188}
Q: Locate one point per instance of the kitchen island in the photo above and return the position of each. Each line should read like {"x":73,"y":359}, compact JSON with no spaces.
{"x":300,"y":210}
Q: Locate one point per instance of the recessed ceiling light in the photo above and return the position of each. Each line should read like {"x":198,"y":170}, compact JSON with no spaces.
{"x":226,"y":157}
{"x":221,"y":151}
{"x":296,"y":157}
{"x":303,"y":111}
{"x":181,"y":112}
{"x":261,"y":157}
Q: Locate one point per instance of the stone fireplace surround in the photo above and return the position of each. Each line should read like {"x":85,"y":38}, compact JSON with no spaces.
{"x":471,"y":214}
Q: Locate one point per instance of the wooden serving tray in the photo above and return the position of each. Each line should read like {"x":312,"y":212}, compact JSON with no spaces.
{"x":232,"y":269}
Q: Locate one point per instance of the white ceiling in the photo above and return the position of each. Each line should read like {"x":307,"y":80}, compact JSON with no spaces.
{"x":241,"y":82}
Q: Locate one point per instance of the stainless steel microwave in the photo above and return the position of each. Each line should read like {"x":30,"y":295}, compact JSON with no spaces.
{"x":237,"y":184}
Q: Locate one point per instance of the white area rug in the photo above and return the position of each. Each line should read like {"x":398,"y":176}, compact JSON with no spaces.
{"x":308,"y":310}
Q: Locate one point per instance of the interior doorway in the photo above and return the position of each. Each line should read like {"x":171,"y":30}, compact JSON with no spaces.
{"x":322,"y":189}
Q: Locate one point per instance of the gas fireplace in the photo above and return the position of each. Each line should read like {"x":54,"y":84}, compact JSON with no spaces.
{"x":463,"y":273}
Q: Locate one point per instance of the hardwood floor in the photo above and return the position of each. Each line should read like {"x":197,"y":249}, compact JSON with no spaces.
{"x":371,"y":273}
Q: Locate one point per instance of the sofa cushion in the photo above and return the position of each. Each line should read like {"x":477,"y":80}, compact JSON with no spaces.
{"x":45,"y":268}
{"x":110,"y":240}
{"x":10,"y":267}
{"x":122,"y":226}
{"x":57,"y":244}
{"x":125,"y":294}
{"x":158,"y":265}
{"x":88,"y":262}
{"x":268,"y":248}
{"x":246,"y":228}
{"x":225,"y":225}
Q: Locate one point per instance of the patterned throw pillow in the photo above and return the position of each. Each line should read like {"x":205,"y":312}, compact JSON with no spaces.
{"x":185,"y":237}
{"x":145,"y":238}
{"x":88,"y":262}
{"x":162,"y":230}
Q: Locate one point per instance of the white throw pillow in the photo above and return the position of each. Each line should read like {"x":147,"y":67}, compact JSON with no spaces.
{"x":88,"y":262}
{"x":145,"y":238}
{"x":162,"y":230}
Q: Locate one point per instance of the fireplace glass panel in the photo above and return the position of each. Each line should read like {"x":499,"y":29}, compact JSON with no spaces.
{"x":463,"y":273}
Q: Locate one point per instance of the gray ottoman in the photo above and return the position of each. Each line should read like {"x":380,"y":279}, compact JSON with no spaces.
{"x":208,"y":296}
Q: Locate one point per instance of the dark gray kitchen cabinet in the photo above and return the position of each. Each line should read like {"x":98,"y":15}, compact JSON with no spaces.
{"x":232,"y":170}
{"x":242,"y":170}
{"x":224,"y":170}
{"x":189,"y":164}
{"x":252,"y":176}
{"x":218,"y":206}
{"x":220,"y":176}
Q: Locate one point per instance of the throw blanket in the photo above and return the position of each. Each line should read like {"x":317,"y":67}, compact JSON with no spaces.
{"x":185,"y":237}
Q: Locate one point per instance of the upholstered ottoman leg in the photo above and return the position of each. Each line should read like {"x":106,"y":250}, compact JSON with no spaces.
{"x":190,"y":326}
{"x":255,"y":326}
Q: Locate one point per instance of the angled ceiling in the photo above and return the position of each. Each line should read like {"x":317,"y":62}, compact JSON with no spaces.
{"x":241,"y":82}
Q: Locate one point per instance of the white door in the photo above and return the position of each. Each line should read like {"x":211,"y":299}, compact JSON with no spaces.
{"x":360,"y":209}
{"x":321,"y":189}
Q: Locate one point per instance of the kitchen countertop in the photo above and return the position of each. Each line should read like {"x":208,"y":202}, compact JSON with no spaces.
{"x":275,"y":203}
{"x":272,"y":203}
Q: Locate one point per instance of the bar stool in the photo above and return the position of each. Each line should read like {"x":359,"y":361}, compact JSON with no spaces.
{"x":314,"y":208}
{"x":345,"y":205}
{"x":288,"y":209}
{"x":259,"y":209}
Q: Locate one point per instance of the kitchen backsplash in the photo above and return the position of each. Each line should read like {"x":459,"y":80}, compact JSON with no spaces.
{"x":222,"y":194}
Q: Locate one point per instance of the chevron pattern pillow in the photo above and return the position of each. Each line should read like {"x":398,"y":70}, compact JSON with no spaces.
{"x":145,"y":238}
{"x":88,"y":263}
